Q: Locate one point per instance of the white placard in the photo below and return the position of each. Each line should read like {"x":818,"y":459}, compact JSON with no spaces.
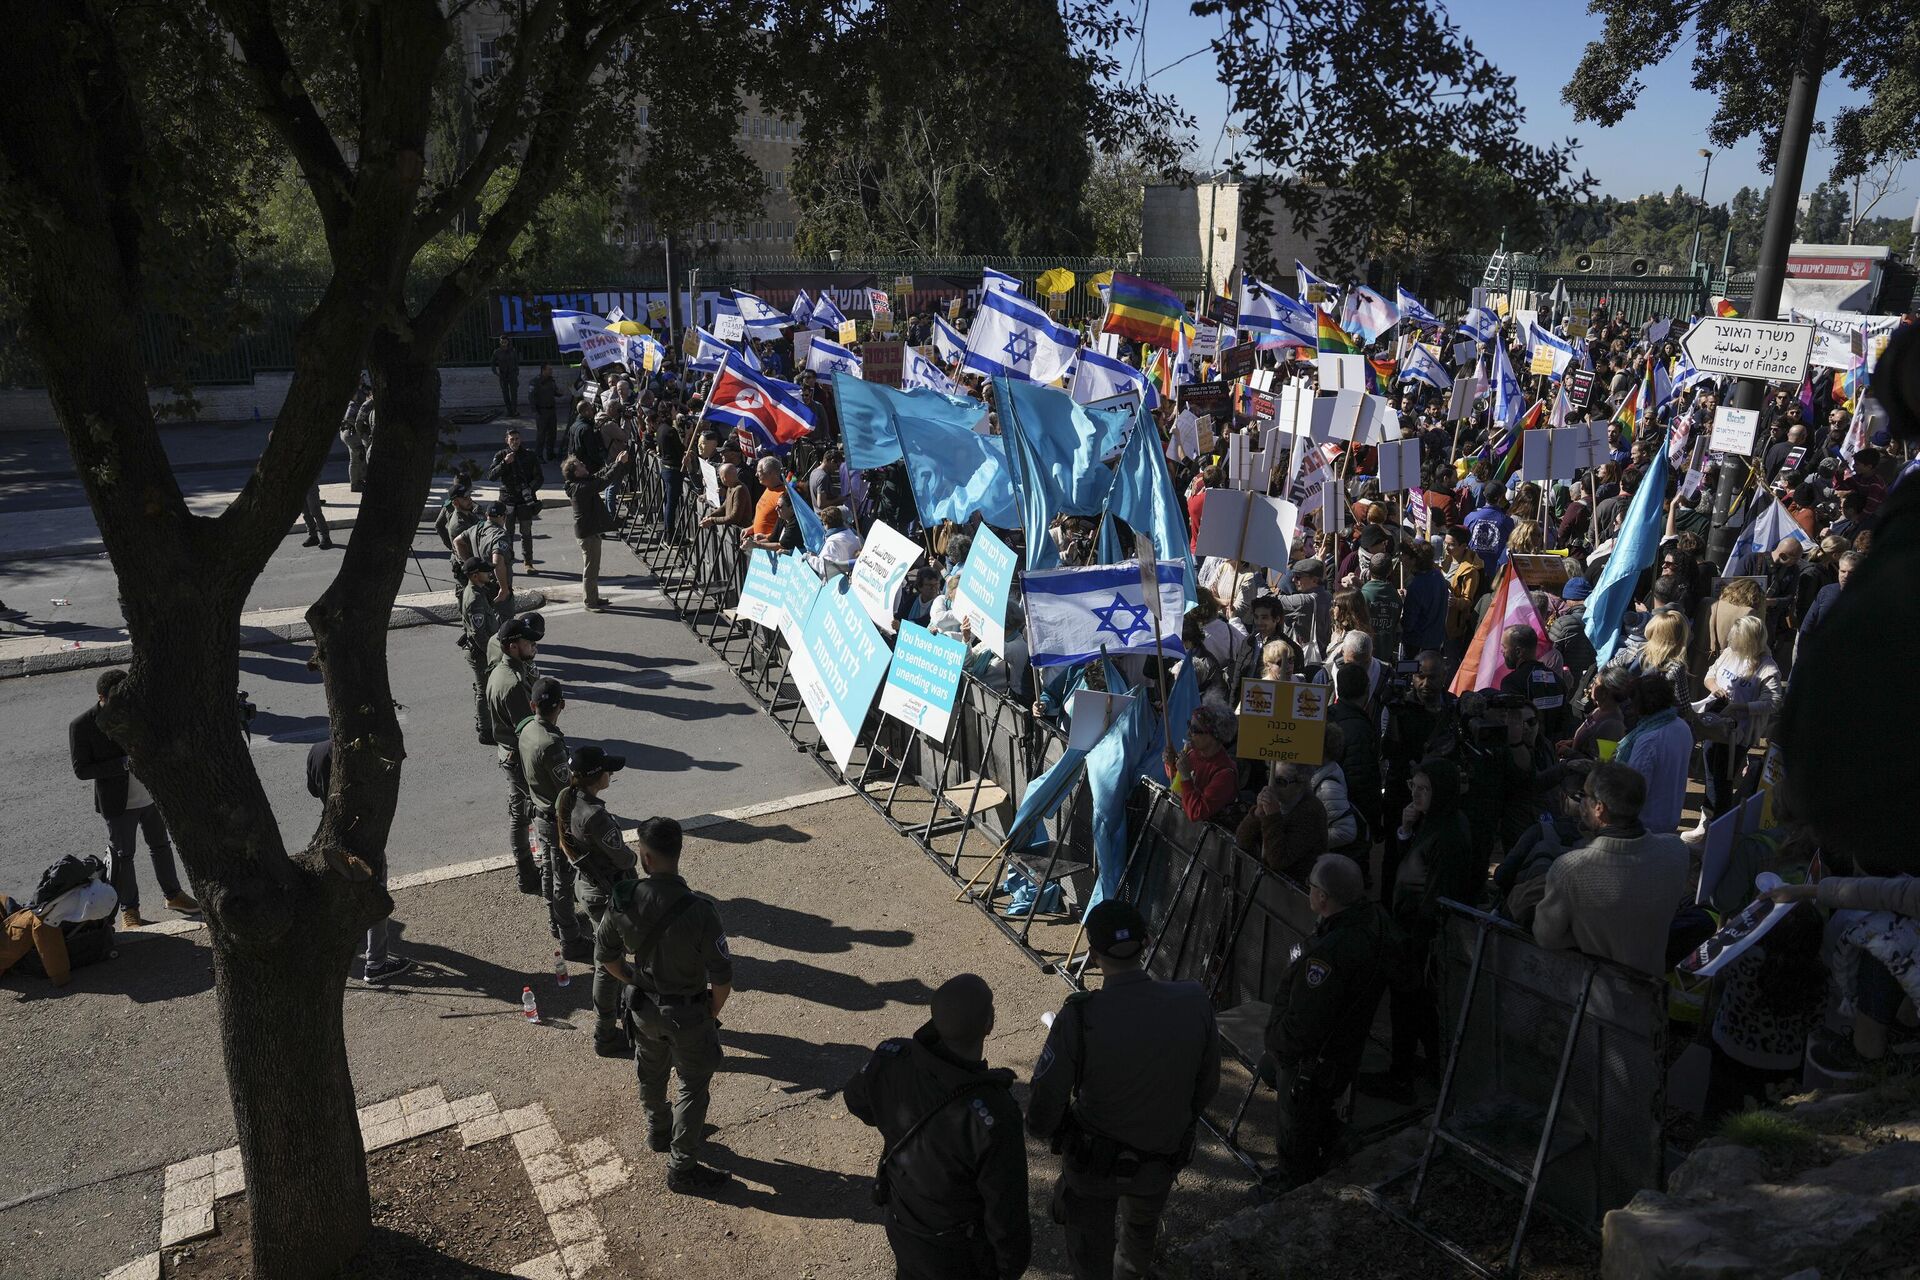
{"x":1387,"y":424}
{"x":1243,"y":465}
{"x":1332,"y":506}
{"x":1340,"y":372}
{"x":1091,"y":713}
{"x":1341,"y":414}
{"x":1536,"y":456}
{"x":1269,"y":525}
{"x":710,"y":478}
{"x":729,"y":327}
{"x":1567,"y":451}
{"x":803,"y":343}
{"x":1399,"y":466}
{"x":1460,"y":398}
{"x":885,"y":558}
{"x":1734,"y":429}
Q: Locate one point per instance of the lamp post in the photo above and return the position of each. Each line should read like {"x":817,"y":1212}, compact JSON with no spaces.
{"x":1693,"y":259}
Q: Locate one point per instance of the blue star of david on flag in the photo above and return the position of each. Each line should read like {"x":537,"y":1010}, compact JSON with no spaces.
{"x":1019,"y":348}
{"x":1136,"y":619}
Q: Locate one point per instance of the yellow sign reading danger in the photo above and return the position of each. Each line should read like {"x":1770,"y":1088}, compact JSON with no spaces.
{"x":1283,"y":722}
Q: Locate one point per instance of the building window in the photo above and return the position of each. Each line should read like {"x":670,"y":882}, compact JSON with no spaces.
{"x":713,"y":232}
{"x":643,"y":116}
{"x":487,"y":57}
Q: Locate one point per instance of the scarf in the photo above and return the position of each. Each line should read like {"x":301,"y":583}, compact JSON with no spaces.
{"x":1646,"y":725}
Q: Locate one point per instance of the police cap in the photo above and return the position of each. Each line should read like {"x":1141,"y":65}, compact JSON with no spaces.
{"x":591,"y":762}
{"x":518,"y":629}
{"x":474,"y":564}
{"x":496,"y":508}
{"x":1115,"y":928}
{"x":547,"y":692}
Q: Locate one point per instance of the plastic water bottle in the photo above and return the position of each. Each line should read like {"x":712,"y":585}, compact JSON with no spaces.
{"x":560,"y":975}
{"x":528,"y":1005}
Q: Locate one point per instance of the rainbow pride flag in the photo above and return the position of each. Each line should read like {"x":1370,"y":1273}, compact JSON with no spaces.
{"x":1380,"y":373}
{"x":1636,"y":411}
{"x":1331,"y":339}
{"x":1144,"y":311}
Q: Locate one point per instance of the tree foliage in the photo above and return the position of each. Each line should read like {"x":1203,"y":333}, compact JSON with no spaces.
{"x":1744,"y":54}
{"x":1321,"y":84}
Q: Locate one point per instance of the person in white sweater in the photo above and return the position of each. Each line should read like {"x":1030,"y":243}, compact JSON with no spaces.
{"x":1615,"y":895}
{"x":1747,"y":678}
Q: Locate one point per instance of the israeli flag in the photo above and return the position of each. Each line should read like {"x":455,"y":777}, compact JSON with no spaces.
{"x":1099,"y":377}
{"x":567,"y":326}
{"x":1413,"y":310}
{"x":1562,"y":348}
{"x":802,"y":309}
{"x":1685,"y":375}
{"x":828,"y":358}
{"x":1263,"y":309}
{"x":992,"y":281}
{"x":1481,"y":324}
{"x":948,"y":341}
{"x":1073,"y":615}
{"x":916,"y":371}
{"x":1418,"y":365}
{"x":762,"y":318}
{"x":1013,"y":338}
{"x":752,"y":357}
{"x":711,"y":352}
{"x":826,"y":315}
{"x":1309,"y":282}
{"x":1508,"y":402}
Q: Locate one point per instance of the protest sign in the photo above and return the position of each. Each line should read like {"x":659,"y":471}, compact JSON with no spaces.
{"x":690,"y":343}
{"x":985,"y":581}
{"x":838,"y":665}
{"x":1739,"y":932}
{"x":849,"y":332}
{"x":762,"y":591}
{"x":883,"y":362}
{"x":1248,"y":526}
{"x":1546,"y":571}
{"x":1091,"y":714}
{"x":1283,"y":722}
{"x":710,"y":482}
{"x":797,"y":592}
{"x":1400,"y":466}
{"x":802,"y":343}
{"x":1237,"y":361}
{"x":1566,"y":451}
{"x":599,"y":348}
{"x":923,"y":680}
{"x":729,"y":327}
{"x":1460,"y":399}
{"x":1542,"y":361}
{"x":879,"y":304}
{"x":881,"y":568}
{"x":1734,"y":430}
{"x":1717,"y":854}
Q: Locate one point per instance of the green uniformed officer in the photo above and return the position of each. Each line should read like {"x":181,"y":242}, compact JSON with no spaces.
{"x":543,"y":763}
{"x":953,"y":1175}
{"x":681,"y":975}
{"x":1119,"y":1089}
{"x":493,"y":542}
{"x":601,"y":862}
{"x":510,"y":704}
{"x":478,"y":621}
{"x":536,"y":627}
{"x":1319,"y":1025}
{"x":457,"y":521}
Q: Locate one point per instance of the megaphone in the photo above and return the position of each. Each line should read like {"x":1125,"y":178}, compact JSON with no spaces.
{"x":1583,"y":263}
{"x":1639,"y":266}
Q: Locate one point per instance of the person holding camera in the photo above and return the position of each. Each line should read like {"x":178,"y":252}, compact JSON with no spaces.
{"x":517,"y":470}
{"x":1119,"y":1089}
{"x":591,"y":519}
{"x":952,"y":1178}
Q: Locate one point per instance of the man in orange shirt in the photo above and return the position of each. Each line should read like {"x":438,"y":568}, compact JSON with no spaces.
{"x":766,"y":511}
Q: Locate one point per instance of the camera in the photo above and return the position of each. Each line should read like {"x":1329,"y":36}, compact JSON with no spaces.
{"x":1399,"y":687}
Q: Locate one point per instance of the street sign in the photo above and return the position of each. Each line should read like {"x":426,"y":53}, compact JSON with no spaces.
{"x":1770,"y":350}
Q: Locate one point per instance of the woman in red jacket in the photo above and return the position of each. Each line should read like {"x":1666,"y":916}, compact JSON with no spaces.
{"x":1208,"y":776}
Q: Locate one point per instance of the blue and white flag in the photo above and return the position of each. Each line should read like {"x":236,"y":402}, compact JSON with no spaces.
{"x":1097,"y":377}
{"x":1562,"y":348}
{"x":1508,"y":401}
{"x":1373,"y":314}
{"x":826,"y":315}
{"x":1413,"y":311}
{"x":1686,"y":376}
{"x":992,"y":281}
{"x":567,"y":326}
{"x":916,"y":371}
{"x":1481,"y":324}
{"x":1311,"y":283}
{"x":1013,"y":338}
{"x":762,"y":318}
{"x":1264,"y":310}
{"x":1768,"y":528}
{"x":948,"y":341}
{"x":802,"y":309}
{"x":828,"y":358}
{"x":752,"y":357}
{"x":1075,"y":614}
{"x":1418,"y":365}
{"x":711,"y":352}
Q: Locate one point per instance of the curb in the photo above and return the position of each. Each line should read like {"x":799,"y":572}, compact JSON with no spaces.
{"x":95,"y":546}
{"x":253,"y":636}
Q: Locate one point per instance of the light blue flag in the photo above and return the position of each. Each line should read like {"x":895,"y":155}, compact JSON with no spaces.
{"x":751,"y":358}
{"x":813,"y":534}
{"x":948,"y":341}
{"x":1633,"y":551}
{"x":1055,"y":449}
{"x":1143,"y":495}
{"x":953,"y":470}
{"x":1129,"y":751}
{"x":870,"y":413}
{"x":1413,"y":310}
{"x":1044,"y":796}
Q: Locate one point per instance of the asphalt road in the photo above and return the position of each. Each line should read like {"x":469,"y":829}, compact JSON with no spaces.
{"x":639,"y":684}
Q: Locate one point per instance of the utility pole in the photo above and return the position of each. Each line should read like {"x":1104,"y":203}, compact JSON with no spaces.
{"x":673,"y":297}
{"x":1789,"y":169}
{"x":1699,"y":210}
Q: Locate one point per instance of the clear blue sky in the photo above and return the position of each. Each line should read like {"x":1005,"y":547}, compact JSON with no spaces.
{"x":1655,"y":148}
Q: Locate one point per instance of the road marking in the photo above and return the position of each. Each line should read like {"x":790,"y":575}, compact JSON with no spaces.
{"x":502,"y":862}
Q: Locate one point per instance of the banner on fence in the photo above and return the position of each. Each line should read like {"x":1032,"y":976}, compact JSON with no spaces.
{"x":985,"y":583}
{"x":1283,"y":722}
{"x":923,"y":680}
{"x":797,"y":592}
{"x":882,"y":567}
{"x":762,"y":593}
{"x":838,"y":665}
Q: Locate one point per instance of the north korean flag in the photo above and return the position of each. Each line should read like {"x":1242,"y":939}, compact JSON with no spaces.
{"x":765,"y":407}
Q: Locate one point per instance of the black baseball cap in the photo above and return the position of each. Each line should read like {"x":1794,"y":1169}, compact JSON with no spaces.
{"x":519,"y":629}
{"x":1115,"y":928}
{"x":591,"y":762}
{"x":496,"y":508}
{"x":475,"y":564}
{"x":460,"y":487}
{"x":547,"y":692}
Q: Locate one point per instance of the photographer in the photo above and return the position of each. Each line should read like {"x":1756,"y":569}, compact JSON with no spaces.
{"x":1422,"y":720}
{"x":517,"y":471}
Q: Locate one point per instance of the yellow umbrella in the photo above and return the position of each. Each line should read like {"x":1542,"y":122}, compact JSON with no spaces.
{"x":1057,"y":280}
{"x":1104,"y":278}
{"x":632,"y":328}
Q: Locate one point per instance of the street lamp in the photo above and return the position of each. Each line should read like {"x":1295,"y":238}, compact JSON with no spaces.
{"x":1693,"y":259}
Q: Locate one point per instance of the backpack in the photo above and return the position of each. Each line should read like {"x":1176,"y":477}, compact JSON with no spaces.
{"x":65,"y":876}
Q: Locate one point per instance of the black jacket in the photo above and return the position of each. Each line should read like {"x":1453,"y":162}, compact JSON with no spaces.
{"x":100,"y":758}
{"x":585,"y":442}
{"x":1333,"y":989}
{"x":520,"y":476}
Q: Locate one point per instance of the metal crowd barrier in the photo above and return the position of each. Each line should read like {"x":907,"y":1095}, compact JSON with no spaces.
{"x":1555,"y":1081}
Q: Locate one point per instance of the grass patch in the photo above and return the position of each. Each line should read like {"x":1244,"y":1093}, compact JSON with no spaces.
{"x":1773,"y":1134}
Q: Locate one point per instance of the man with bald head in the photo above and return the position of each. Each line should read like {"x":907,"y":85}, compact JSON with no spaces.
{"x":735,"y":508}
{"x":953,"y":1177}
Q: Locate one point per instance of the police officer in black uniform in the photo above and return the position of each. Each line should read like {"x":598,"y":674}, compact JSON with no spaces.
{"x":667,"y":942}
{"x":1319,"y":1025}
{"x":953,"y":1175}
{"x":1119,"y":1090}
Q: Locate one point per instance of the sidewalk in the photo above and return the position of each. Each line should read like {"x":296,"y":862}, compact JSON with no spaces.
{"x":840,"y":931}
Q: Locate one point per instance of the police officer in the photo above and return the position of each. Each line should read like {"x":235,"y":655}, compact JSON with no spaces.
{"x":478,"y":622}
{"x":681,"y":974}
{"x":1119,"y":1090}
{"x":493,"y":543}
{"x":1319,"y":1025}
{"x":457,"y":521}
{"x":1531,"y":679}
{"x":536,"y":627}
{"x":510,"y":704}
{"x":543,"y":763}
{"x":601,"y":860}
{"x":953,"y":1175}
